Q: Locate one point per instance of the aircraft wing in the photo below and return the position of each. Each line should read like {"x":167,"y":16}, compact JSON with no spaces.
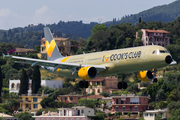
{"x":55,"y":64}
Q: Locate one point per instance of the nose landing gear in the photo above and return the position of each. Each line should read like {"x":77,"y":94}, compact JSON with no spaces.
{"x":122,"y":84}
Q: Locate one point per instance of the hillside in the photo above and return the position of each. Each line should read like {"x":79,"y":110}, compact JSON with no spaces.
{"x":164,"y":13}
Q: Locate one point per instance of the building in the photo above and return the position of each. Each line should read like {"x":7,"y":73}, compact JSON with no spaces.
{"x":23,"y":51}
{"x":69,"y":98}
{"x":74,"y":113}
{"x":154,"y":37}
{"x":129,"y":103}
{"x":7,"y":117}
{"x":32,"y":102}
{"x":14,"y":85}
{"x":64,"y":45}
{"x":151,"y":114}
{"x":102,"y":84}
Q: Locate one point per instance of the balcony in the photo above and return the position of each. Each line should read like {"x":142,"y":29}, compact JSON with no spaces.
{"x":127,"y":110}
{"x":127,"y":103}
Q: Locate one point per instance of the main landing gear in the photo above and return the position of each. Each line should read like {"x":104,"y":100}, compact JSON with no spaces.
{"x":122,"y":84}
{"x":154,"y":80}
{"x":83,"y":84}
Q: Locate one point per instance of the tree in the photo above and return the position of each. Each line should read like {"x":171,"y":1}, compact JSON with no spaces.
{"x":173,"y":96}
{"x":129,"y":114}
{"x":160,"y":95}
{"x":1,"y":82}
{"x":25,"y":116}
{"x":24,"y":82}
{"x":36,"y":80}
{"x":137,"y":42}
{"x":118,"y":114}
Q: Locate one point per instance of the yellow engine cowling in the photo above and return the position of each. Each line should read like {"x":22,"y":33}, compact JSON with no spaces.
{"x":145,"y":75}
{"x":87,"y":72}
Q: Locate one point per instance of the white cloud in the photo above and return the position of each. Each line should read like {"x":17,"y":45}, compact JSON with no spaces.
{"x":44,"y":15}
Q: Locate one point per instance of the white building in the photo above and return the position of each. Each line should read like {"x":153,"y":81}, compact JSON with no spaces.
{"x":14,"y":85}
{"x":74,"y":113}
{"x":151,"y":114}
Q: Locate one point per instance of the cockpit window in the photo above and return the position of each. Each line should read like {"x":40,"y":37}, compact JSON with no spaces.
{"x":154,"y":52}
{"x":162,"y":51}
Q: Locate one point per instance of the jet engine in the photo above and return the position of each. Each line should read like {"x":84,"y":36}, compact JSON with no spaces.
{"x":87,"y":72}
{"x":145,"y":75}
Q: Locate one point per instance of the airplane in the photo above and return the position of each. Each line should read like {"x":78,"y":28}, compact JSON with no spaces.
{"x":105,"y":63}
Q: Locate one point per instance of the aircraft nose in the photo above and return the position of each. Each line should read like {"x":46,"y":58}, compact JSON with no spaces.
{"x":168,"y":59}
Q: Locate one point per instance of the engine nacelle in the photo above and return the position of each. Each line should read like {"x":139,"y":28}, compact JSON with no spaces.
{"x":87,"y":72}
{"x":145,"y":75}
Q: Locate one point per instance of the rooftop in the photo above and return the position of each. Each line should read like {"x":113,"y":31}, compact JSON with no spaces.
{"x":157,"y":31}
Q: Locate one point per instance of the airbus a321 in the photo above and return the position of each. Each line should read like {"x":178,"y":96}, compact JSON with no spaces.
{"x":106,"y":63}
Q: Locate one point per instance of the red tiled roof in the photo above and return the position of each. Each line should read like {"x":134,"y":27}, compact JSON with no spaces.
{"x":97,"y":79}
{"x":93,"y":96}
{"x":157,"y":31}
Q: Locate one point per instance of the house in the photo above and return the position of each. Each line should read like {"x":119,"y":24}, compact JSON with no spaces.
{"x":151,"y":114}
{"x":14,"y":85}
{"x":102,"y":84}
{"x":31,"y":102}
{"x":154,"y":37}
{"x":8,"y":117}
{"x":74,"y":98}
{"x":22,"y":51}
{"x":64,"y":45}
{"x":130,"y":103}
{"x":69,"y":98}
{"x":74,"y":113}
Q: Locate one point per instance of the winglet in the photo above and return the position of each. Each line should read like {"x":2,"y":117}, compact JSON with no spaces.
{"x":6,"y":55}
{"x":3,"y":55}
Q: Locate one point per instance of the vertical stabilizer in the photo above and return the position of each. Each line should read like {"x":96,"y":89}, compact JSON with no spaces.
{"x":51,"y":47}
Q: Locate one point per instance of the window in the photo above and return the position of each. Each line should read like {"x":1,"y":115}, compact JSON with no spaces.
{"x":124,"y":108}
{"x":68,"y":44}
{"x":72,"y":119}
{"x":71,"y":98}
{"x":53,"y":119}
{"x":98,"y":90}
{"x":26,"y":99}
{"x":47,"y":119}
{"x":12,"y":86}
{"x":83,"y":119}
{"x":151,"y":114}
{"x":82,"y":111}
{"x":27,"y":106}
{"x":117,"y":108}
{"x":145,"y":114}
{"x":37,"y":118}
{"x":136,"y":108}
{"x":130,"y":108}
{"x":77,"y":119}
{"x":79,"y":98}
{"x":35,"y":106}
{"x":60,"y":118}
{"x":42,"y":118}
{"x":34,"y":99}
{"x":162,"y":51}
{"x":66,"y":119}
{"x":154,"y":52}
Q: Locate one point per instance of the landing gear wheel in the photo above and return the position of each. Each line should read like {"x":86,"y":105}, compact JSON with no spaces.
{"x":155,"y":80}
{"x":81,"y":84}
{"x":119,"y":85}
{"x":124,"y":85}
{"x":86,"y":84}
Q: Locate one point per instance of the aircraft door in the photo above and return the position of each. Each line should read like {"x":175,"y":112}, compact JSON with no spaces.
{"x":144,"y":54}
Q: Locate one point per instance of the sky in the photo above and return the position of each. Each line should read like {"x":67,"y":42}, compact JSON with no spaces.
{"x":21,"y":13}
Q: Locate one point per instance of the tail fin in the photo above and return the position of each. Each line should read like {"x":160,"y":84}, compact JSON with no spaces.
{"x":51,"y":47}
